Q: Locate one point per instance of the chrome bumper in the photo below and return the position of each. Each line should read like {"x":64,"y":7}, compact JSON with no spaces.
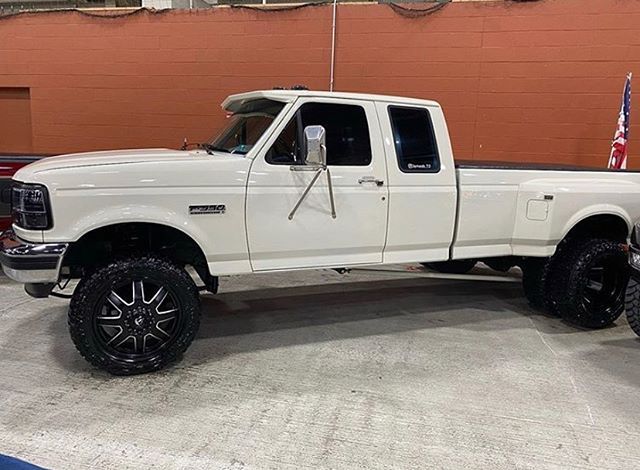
{"x":31,"y":263}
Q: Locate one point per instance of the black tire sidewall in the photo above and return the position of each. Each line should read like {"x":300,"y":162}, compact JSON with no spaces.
{"x":632,"y":305}
{"x":533,"y":281}
{"x":92,"y":290}
{"x":554,"y":275}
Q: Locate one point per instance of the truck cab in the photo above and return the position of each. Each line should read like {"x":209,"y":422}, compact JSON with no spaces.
{"x":390,"y":181}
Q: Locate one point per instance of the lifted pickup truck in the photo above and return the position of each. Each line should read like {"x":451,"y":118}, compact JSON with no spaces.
{"x":300,"y":180}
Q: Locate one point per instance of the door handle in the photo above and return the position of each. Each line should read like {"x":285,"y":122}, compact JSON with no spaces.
{"x":370,"y":179}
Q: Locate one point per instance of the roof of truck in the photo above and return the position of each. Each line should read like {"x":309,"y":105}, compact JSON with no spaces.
{"x":233,"y":101}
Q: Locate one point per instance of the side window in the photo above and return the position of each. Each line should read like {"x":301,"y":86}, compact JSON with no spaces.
{"x":414,"y":140}
{"x":347,"y":132}
{"x":348,"y":140}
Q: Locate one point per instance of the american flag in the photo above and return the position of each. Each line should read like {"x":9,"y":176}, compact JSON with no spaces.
{"x":618,"y":157}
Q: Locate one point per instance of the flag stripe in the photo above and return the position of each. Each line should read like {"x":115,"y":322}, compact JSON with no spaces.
{"x":619,"y":146}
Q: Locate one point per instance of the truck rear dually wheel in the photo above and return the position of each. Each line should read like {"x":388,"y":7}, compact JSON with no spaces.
{"x":544,"y":279}
{"x":595,"y":275}
{"x":135,"y":315}
{"x":542,"y":282}
{"x":535,"y":272}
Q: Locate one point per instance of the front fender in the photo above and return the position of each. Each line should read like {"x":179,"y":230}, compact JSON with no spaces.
{"x":120,"y":214}
{"x":224,"y":248}
{"x":161,"y":192}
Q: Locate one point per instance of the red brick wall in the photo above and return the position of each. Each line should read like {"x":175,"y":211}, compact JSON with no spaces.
{"x":518,"y":81}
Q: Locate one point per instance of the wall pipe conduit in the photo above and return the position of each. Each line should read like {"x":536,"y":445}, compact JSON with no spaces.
{"x":333,"y":45}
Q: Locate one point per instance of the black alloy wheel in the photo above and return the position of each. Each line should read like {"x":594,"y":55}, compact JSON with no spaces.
{"x":135,"y":315}
{"x":605,"y":287}
{"x":596,"y":282}
{"x":136,"y":319}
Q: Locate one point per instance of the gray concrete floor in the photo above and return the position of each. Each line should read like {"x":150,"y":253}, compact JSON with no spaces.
{"x":314,"y":370}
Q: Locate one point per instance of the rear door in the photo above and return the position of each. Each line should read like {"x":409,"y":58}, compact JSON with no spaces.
{"x":422,"y":183}
{"x":356,"y":162}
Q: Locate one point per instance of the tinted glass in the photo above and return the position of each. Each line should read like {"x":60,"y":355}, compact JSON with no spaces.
{"x":286,"y":149}
{"x":414,"y":140}
{"x":246,"y":126}
{"x":347,"y":134}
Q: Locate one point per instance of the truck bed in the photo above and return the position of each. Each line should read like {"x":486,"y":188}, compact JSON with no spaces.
{"x":507,"y":209}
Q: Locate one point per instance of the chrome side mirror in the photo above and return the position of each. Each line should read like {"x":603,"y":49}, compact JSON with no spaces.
{"x":315,"y":154}
{"x":315,"y":159}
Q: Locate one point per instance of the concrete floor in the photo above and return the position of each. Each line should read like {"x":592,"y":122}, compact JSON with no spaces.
{"x":314,"y":370}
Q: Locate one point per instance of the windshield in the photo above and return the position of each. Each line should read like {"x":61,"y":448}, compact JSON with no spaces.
{"x":246,"y":126}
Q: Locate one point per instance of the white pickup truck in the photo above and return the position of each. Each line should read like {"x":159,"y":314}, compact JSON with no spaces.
{"x":302,"y":180}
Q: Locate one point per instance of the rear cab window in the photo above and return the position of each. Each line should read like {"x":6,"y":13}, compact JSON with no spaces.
{"x":414,"y":139}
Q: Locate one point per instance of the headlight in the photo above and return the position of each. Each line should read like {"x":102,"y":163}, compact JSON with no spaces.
{"x":634,"y":259}
{"x":30,"y":206}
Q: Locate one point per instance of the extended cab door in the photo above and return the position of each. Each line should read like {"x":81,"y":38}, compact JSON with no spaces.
{"x":422,"y":183}
{"x":356,"y":162}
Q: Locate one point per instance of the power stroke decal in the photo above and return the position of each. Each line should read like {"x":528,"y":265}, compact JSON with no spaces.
{"x":208,"y":209}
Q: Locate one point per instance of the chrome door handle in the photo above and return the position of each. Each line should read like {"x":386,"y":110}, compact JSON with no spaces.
{"x":370,"y":179}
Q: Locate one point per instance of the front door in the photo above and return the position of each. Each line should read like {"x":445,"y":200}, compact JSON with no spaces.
{"x":356,"y":163}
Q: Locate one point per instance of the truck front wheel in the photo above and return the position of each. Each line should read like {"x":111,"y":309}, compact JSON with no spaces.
{"x":134,"y":316}
{"x":596,"y":275}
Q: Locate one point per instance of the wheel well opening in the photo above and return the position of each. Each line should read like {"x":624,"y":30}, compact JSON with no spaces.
{"x":608,"y":226}
{"x":104,"y":244}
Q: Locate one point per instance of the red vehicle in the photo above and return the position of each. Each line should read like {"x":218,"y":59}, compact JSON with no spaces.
{"x":8,"y":166}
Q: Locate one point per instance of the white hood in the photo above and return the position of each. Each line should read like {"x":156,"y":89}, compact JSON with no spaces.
{"x":111,"y":157}
{"x":136,"y":169}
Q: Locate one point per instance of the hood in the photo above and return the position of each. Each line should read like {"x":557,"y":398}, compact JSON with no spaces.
{"x":111,"y":157}
{"x":137,"y":169}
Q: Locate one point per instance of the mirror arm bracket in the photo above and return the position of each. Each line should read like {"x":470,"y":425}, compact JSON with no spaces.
{"x":310,"y":185}
{"x":333,"y":204}
{"x":306,"y":191}
{"x":315,"y":142}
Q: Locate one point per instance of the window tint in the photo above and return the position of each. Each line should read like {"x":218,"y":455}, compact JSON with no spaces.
{"x":249,"y":121}
{"x":242,"y":134}
{"x":286,"y":149}
{"x":347,"y":134}
{"x":414,"y":140}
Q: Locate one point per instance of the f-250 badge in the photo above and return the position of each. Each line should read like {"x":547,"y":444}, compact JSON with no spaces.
{"x":208,"y":209}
